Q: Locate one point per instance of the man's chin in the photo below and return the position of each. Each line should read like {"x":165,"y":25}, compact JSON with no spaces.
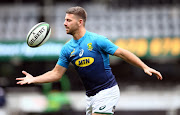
{"x":67,"y":32}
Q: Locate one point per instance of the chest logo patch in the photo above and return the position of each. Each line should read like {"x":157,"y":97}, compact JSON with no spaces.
{"x":90,"y":46}
{"x":85,"y":61}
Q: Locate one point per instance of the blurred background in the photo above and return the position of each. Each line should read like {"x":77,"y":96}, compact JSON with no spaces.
{"x":148,"y":28}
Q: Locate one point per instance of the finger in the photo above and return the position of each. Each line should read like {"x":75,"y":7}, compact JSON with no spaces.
{"x":25,"y":73}
{"x":159,"y":76}
{"x":149,"y":73}
{"x":20,"y":82}
{"x":20,"y":78}
{"x":28,"y":82}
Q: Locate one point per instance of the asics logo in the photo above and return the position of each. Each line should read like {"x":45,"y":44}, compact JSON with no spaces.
{"x":102,"y":107}
{"x":81,"y":53}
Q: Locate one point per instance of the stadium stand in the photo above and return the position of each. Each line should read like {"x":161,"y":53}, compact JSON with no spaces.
{"x":16,"y":21}
{"x":125,"y":22}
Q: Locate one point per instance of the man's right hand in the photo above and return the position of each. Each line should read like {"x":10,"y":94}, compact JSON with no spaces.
{"x":25,"y":80}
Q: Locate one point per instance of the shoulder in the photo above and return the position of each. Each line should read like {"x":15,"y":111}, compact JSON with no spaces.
{"x":96,"y":37}
{"x":67,"y":47}
{"x":68,"y":44}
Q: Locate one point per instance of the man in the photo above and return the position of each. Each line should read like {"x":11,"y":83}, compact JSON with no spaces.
{"x":89,"y":53}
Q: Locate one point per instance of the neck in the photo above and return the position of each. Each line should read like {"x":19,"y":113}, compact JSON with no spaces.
{"x":79,"y":33}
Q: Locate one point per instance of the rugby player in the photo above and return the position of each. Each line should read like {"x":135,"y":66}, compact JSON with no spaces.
{"x":89,"y":53}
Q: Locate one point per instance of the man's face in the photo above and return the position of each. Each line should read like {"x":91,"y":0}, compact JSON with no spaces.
{"x":71,"y":23}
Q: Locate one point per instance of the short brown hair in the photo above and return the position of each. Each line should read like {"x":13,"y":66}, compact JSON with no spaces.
{"x":79,"y":11}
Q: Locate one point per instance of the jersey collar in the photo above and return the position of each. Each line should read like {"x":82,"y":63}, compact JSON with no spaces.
{"x":81,"y":39}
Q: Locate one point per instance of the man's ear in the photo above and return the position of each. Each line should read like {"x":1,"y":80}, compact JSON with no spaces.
{"x":80,"y":22}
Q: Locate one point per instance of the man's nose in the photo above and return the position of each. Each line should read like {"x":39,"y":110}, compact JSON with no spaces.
{"x":65,"y":24}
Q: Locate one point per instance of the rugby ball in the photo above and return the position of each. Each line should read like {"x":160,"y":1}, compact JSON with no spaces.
{"x":38,"y":34}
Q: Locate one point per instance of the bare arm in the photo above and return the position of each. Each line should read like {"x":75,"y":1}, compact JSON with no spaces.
{"x":49,"y":76}
{"x":134,"y":60}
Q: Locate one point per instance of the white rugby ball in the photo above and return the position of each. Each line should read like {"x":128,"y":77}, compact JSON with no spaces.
{"x":39,"y":34}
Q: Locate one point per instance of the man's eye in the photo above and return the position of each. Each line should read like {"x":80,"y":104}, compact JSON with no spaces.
{"x":67,"y":20}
